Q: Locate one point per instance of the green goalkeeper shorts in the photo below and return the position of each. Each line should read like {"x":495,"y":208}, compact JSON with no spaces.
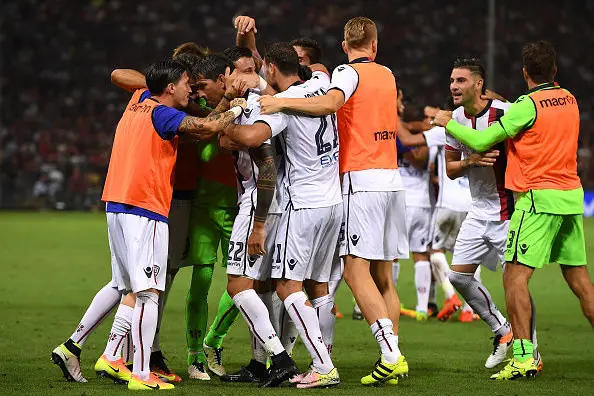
{"x":209,"y":228}
{"x":536,"y":239}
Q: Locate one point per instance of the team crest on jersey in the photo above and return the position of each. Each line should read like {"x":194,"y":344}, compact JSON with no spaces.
{"x":156,"y":269}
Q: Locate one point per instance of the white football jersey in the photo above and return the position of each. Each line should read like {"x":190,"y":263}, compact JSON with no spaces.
{"x":453,"y":194}
{"x":490,"y":199}
{"x":310,"y":149}
{"x":416,"y":184}
{"x":247,"y":171}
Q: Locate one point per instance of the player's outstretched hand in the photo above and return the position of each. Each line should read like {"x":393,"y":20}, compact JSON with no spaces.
{"x":256,"y":240}
{"x":244,"y":24}
{"x":269,"y":104}
{"x":442,"y":118}
{"x":487,"y":158}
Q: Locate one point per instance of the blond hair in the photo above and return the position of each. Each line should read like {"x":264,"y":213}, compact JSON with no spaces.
{"x":359,"y":32}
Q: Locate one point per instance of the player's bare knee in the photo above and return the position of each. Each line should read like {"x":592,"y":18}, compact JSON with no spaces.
{"x":315,"y":289}
{"x":129,"y":300}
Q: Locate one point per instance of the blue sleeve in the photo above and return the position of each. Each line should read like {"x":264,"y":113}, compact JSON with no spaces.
{"x":401,"y":148}
{"x":144,"y":95}
{"x":166,"y":121}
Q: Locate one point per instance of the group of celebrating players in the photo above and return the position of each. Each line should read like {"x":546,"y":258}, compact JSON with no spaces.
{"x":332,"y":185}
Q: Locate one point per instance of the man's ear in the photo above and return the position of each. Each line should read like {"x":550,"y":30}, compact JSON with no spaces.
{"x":221,"y":81}
{"x":344,"y":47}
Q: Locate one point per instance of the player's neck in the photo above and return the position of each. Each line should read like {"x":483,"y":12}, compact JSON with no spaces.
{"x":284,"y":82}
{"x":356,"y":54}
{"x":476,"y":106}
{"x":166,"y":100}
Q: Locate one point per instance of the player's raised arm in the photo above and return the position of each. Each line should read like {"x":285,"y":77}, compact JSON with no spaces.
{"x":246,"y":37}
{"x":263,"y":157}
{"x":128,"y":79}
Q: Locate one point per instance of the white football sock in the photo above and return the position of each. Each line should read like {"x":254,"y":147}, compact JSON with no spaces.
{"x":306,"y":321}
{"x":257,"y":318}
{"x":103,"y":303}
{"x":162,"y":301}
{"x":479,"y":298}
{"x":323,"y":306}
{"x":422,"y":283}
{"x":128,"y":347}
{"x":333,"y":287}
{"x":122,"y":323}
{"x":383,"y":331}
{"x":440,"y":269}
{"x":395,"y":271}
{"x":288,"y":331}
{"x":144,"y":325}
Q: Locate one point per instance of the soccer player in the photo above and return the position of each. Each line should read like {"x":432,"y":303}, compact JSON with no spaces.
{"x":138,"y":213}
{"x":482,"y":236}
{"x":363,"y":94}
{"x":312,"y":217}
{"x":451,"y":206}
{"x":541,"y":129}
{"x":414,"y":170}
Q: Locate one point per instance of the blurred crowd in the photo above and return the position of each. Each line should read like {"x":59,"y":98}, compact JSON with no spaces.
{"x":58,"y":110}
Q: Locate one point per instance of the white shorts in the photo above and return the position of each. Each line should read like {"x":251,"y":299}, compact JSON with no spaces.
{"x":138,"y":252}
{"x":305,"y":243}
{"x":418,"y":226}
{"x":239,"y":262}
{"x":445,"y":227}
{"x":179,"y":226}
{"x":375,"y":225}
{"x":481,"y":242}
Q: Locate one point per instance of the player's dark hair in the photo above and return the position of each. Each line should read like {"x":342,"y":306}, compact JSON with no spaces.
{"x":539,"y":59}
{"x":190,"y":47}
{"x":311,"y":47}
{"x":163,"y":73}
{"x":234,"y":53}
{"x":475,"y":66}
{"x":284,"y":57}
{"x":213,"y":65}
{"x":304,"y":73}
{"x":190,"y":61}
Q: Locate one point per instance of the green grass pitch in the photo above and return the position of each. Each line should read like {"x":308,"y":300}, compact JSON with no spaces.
{"x":53,"y":263}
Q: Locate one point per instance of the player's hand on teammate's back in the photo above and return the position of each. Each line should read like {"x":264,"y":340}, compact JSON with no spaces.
{"x":487,"y":158}
{"x":244,"y":24}
{"x":442,"y":118}
{"x":256,"y":240}
{"x":269,"y":104}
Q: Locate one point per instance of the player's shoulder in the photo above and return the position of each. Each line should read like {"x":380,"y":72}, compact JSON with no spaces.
{"x":498,"y":104}
{"x":458,"y":113}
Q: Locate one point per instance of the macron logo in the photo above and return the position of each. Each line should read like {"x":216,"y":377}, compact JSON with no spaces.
{"x":384,"y":135}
